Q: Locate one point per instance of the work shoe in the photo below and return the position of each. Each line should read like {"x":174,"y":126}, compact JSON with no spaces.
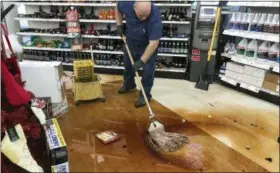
{"x":140,"y":102}
{"x":124,"y":90}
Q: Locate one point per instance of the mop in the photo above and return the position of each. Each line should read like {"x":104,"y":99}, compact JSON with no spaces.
{"x":158,"y":139}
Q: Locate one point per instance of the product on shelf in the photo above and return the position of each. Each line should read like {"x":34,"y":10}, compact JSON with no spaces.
{"x":263,"y":50}
{"x":175,"y":14}
{"x":237,"y":22}
{"x":273,"y":24}
{"x":260,"y":26}
{"x":251,"y":49}
{"x":173,"y":47}
{"x":243,"y":25}
{"x":241,"y":47}
{"x":254,"y":22}
{"x":273,"y":52}
{"x":231,"y":21}
{"x":267,"y":23}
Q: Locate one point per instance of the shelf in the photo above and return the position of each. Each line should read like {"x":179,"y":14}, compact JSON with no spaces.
{"x":254,"y":4}
{"x":41,"y":34}
{"x":97,"y":4}
{"x":270,"y":92}
{"x":97,"y":51}
{"x":91,"y":36}
{"x":40,"y":19}
{"x":250,"y":87}
{"x":252,"y":35}
{"x":92,"y":20}
{"x":229,"y":80}
{"x":263,"y":64}
{"x":178,"y":70}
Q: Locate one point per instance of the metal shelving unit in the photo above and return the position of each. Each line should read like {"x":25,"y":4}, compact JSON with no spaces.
{"x":270,"y":66}
{"x":47,"y":22}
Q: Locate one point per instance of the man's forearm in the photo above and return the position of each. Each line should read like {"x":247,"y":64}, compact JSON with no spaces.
{"x":149,"y":50}
{"x":119,"y":17}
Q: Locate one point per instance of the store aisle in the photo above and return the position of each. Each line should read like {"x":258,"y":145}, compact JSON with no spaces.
{"x":212,"y":148}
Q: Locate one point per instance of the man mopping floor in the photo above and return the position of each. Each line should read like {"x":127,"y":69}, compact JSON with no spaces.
{"x":143,"y":32}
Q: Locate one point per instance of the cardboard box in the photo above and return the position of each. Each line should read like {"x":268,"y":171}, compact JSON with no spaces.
{"x":235,"y":67}
{"x":234,"y":75}
{"x":251,"y":80}
{"x":60,"y":108}
{"x":253,"y":71}
{"x":56,"y":145}
{"x":271,"y":77}
{"x":44,"y":79}
{"x":271,"y":86}
{"x":47,"y":109}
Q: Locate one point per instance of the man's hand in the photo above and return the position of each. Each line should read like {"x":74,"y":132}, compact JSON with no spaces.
{"x":138,"y":65}
{"x":120,"y":29}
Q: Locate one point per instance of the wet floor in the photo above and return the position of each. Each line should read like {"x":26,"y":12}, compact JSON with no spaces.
{"x":130,"y":154}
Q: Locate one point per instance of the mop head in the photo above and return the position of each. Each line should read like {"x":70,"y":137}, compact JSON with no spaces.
{"x":174,"y":148}
{"x":161,"y":141}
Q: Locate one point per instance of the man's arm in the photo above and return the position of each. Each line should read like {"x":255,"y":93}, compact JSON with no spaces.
{"x":149,"y":51}
{"x":119,"y":16}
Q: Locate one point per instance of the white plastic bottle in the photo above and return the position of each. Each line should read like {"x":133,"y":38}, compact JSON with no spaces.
{"x":254,"y":22}
{"x":267,"y":22}
{"x":238,"y":21}
{"x":251,"y":50}
{"x":273,"y":51}
{"x":243,"y":21}
{"x":249,"y":20}
{"x":241,"y":47}
{"x":231,"y":21}
{"x":273,"y":23}
{"x":277,"y":27}
{"x":263,"y":50}
{"x":261,"y":22}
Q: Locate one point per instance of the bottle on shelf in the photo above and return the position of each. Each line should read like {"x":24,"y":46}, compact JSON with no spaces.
{"x":178,"y":48}
{"x":237,"y":22}
{"x":263,"y":50}
{"x":272,"y":26}
{"x":277,"y":26}
{"x":232,"y":21}
{"x":243,"y":22}
{"x":251,"y":49}
{"x":241,"y":46}
{"x":273,"y":52}
{"x":267,"y":22}
{"x":254,"y":22}
{"x":248,"y":21}
{"x":260,"y":25}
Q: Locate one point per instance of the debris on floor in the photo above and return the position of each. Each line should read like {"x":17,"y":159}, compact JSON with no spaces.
{"x":248,"y":147}
{"x":278,"y":140}
{"x":254,"y":125}
{"x":108,"y":136}
{"x":268,"y":159}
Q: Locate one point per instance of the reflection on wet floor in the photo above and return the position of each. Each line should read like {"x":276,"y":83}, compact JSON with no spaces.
{"x":129,"y":154}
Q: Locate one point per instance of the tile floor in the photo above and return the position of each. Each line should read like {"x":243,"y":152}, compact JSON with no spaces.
{"x":241,"y":124}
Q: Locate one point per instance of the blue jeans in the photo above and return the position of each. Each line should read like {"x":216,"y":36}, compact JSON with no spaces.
{"x":137,"y":51}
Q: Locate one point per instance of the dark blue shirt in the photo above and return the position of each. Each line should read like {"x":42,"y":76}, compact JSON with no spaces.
{"x":141,"y":31}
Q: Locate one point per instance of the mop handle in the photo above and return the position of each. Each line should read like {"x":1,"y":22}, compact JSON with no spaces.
{"x":214,"y":32}
{"x":138,"y":79}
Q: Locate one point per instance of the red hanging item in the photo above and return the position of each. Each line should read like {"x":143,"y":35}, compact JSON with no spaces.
{"x":12,"y":85}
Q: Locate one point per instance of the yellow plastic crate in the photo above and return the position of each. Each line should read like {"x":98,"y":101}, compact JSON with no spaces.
{"x":83,"y":70}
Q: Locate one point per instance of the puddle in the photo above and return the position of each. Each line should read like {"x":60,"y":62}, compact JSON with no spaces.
{"x":129,"y":153}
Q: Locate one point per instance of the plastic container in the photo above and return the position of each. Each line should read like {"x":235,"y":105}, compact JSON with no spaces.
{"x":263,"y":50}
{"x":273,"y":52}
{"x":232,"y":50}
{"x":251,"y":49}
{"x":231,"y":21}
{"x":241,"y":47}
{"x":249,"y":20}
{"x":254,"y":22}
{"x":277,"y":27}
{"x":244,"y":21}
{"x":237,"y":22}
{"x":267,"y":22}
{"x":273,"y":23}
{"x":227,"y":47}
{"x":260,"y":25}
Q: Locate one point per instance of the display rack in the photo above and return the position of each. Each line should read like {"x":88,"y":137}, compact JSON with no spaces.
{"x":31,"y":7}
{"x":268,"y":65}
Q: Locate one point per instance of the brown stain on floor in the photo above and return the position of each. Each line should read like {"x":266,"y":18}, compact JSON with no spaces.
{"x":129,"y":154}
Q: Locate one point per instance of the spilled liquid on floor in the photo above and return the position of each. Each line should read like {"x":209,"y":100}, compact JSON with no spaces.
{"x":130,"y":154}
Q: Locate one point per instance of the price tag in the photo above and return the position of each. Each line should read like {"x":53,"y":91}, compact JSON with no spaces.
{"x":254,"y":89}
